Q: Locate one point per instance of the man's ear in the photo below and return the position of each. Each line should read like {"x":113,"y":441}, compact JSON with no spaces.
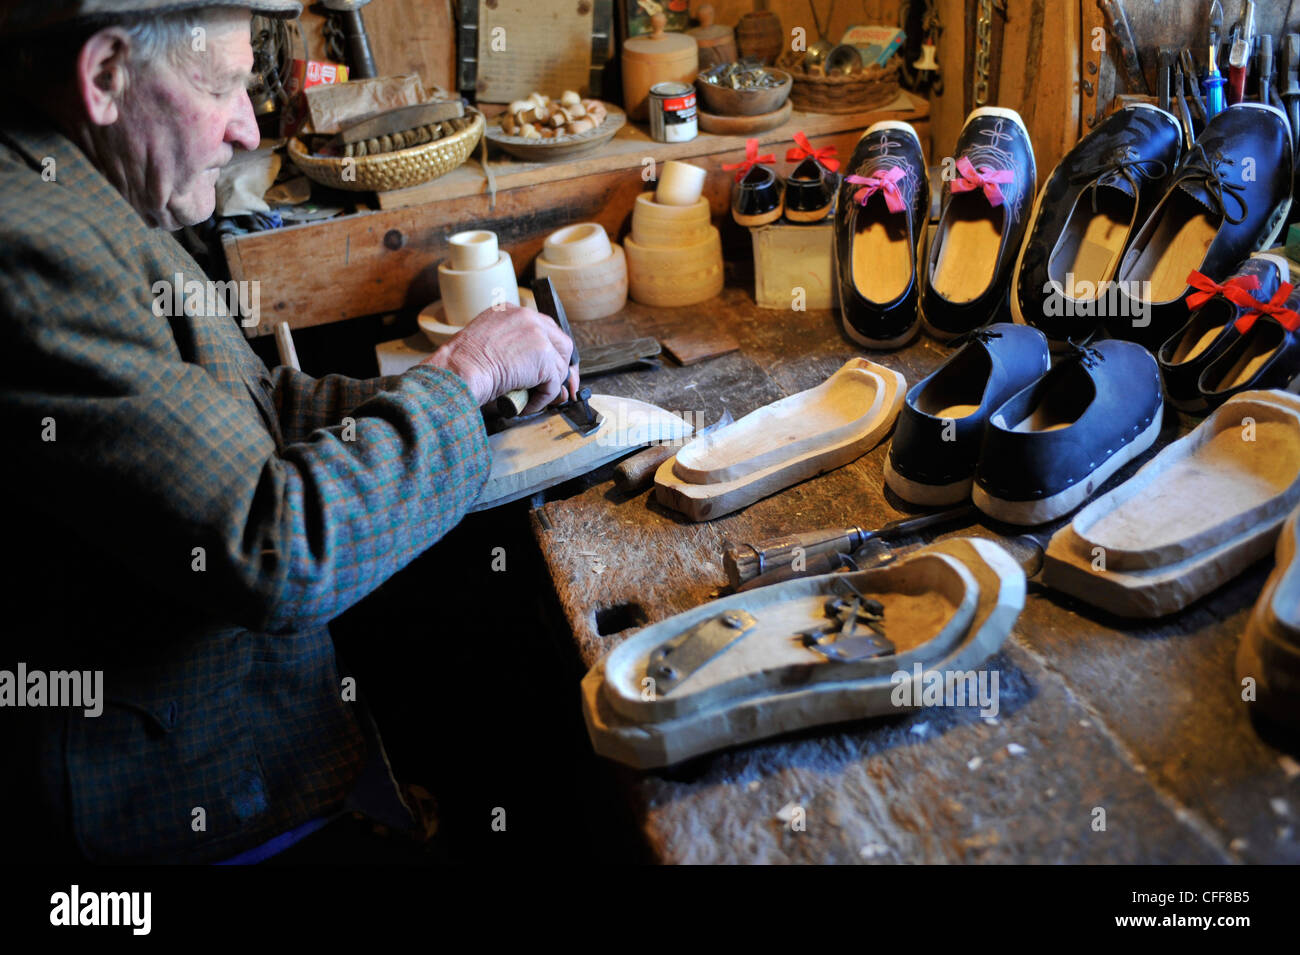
{"x":101,"y":74}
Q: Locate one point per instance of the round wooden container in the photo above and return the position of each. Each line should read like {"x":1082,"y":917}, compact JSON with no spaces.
{"x":583,"y":244}
{"x":685,"y":275}
{"x":655,"y":225}
{"x":759,"y":35}
{"x":591,"y":290}
{"x":658,"y":58}
{"x":467,"y":292}
{"x":717,"y":43}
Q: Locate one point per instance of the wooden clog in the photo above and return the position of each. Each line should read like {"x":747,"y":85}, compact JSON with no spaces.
{"x":1196,"y":515}
{"x":534,"y":453}
{"x":788,"y":441}
{"x":946,"y":609}
{"x":1270,"y":648}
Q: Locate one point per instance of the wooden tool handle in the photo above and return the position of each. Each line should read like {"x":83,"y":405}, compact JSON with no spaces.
{"x":745,"y":561}
{"x":511,"y":404}
{"x":635,"y":473}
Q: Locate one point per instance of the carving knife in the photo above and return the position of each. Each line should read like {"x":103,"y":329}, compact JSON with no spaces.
{"x":1122,"y":33}
{"x":1213,"y":79}
{"x":775,"y":559}
{"x":635,"y":473}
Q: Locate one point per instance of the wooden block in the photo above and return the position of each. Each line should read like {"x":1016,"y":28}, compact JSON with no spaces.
{"x":947,"y":608}
{"x":534,"y":453}
{"x":789,"y":257}
{"x":1196,"y":515}
{"x":788,"y":441}
{"x":698,"y":342}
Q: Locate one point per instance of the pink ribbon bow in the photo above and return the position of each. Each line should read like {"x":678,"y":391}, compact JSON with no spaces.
{"x":804,"y":150}
{"x":752,"y":159}
{"x":886,"y":182}
{"x":986,"y":178}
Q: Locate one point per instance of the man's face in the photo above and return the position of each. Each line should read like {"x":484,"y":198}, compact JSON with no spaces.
{"x":180,"y":121}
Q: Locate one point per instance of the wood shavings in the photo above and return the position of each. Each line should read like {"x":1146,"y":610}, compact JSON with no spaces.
{"x":975,"y":763}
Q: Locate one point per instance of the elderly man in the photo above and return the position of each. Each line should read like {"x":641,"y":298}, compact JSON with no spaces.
{"x":183,"y":523}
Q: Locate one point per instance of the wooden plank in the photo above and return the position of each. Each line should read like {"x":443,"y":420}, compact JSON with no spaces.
{"x":414,"y":36}
{"x":1141,"y":721}
{"x":629,"y":149}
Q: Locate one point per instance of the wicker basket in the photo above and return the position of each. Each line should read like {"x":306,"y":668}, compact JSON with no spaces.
{"x":870,"y":89}
{"x":395,"y":170}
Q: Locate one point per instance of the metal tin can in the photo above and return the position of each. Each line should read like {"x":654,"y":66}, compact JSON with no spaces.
{"x":673,"y":112}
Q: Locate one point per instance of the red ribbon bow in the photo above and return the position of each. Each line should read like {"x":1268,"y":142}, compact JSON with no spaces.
{"x":986,"y":178}
{"x":752,"y":159}
{"x":1276,"y":306}
{"x":886,"y":182}
{"x":804,"y":150}
{"x":1236,"y":290}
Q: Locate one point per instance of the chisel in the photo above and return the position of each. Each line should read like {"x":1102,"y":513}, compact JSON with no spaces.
{"x":743,"y":562}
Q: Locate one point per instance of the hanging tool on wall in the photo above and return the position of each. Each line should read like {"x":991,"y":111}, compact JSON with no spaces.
{"x":1290,"y":83}
{"x":1243,"y":36}
{"x":345,"y":16}
{"x":1122,"y":34}
{"x":1213,"y":78}
{"x":987,"y":31}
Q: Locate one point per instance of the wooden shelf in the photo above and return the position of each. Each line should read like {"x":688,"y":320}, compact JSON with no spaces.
{"x":373,"y":262}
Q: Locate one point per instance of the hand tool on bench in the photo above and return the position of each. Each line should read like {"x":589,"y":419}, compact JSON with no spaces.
{"x":1164,"y":74}
{"x":778,"y":555}
{"x":1120,"y":31}
{"x":1213,"y":79}
{"x":1290,"y":83}
{"x":578,"y":411}
{"x":401,"y":119}
{"x":636,"y":472}
{"x":620,"y":356}
{"x":1243,"y":33}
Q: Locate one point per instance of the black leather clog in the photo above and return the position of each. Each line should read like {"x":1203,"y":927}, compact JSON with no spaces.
{"x":1212,"y":327}
{"x":1051,"y":446}
{"x":880,"y":230}
{"x":1095,"y":200}
{"x":984,"y":212}
{"x":937,"y":439}
{"x":1265,"y":353}
{"x":1228,"y":198}
{"x":810,"y":192}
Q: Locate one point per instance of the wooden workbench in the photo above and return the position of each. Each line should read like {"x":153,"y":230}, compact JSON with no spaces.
{"x":1136,"y":719}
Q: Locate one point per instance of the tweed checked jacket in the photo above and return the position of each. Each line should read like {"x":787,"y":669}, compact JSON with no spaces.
{"x":188,"y":522}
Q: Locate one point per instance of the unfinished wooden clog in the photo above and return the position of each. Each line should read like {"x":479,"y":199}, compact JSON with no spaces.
{"x":534,"y":453}
{"x":755,"y":665}
{"x":1270,"y":648}
{"x":1196,"y":515}
{"x":783,"y":443}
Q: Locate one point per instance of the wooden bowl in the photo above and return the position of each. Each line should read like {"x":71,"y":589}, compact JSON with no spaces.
{"x":561,"y":147}
{"x":724,"y":101}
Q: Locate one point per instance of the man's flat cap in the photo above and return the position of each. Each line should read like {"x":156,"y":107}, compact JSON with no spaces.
{"x":39,"y":16}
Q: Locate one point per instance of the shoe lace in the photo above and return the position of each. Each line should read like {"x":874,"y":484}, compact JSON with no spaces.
{"x":1089,"y":356}
{"x":1123,"y":161}
{"x":984,"y":335}
{"x":1201,"y":167}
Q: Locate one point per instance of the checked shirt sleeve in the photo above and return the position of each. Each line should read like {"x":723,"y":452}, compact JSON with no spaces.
{"x":305,"y":403}
{"x":173,"y":476}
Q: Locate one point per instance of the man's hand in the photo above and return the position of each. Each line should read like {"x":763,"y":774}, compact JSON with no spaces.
{"x":508,"y":347}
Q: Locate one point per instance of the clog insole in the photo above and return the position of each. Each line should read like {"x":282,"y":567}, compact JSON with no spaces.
{"x":1055,"y":410}
{"x":1226,"y":475}
{"x":1091,"y":242}
{"x":882,"y":255}
{"x":958,"y":389}
{"x":1178,"y":245}
{"x":969,"y":240}
{"x":1252,"y":359}
{"x":1199,"y":336}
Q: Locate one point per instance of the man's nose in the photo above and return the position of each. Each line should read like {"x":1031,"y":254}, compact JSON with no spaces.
{"x":242,"y":128}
